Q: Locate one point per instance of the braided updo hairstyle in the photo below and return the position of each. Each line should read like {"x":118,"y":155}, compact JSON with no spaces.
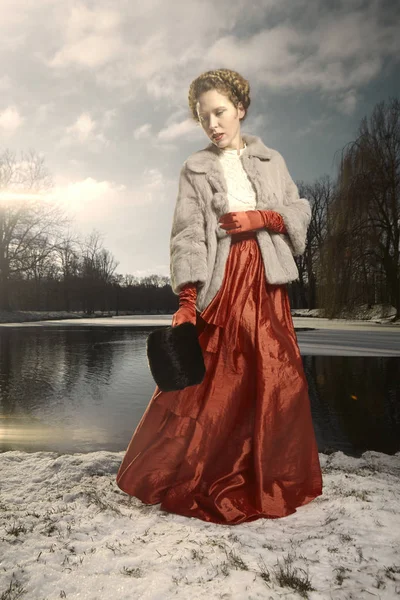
{"x":227,"y":82}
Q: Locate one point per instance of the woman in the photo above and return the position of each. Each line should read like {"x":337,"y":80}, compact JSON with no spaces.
{"x":240,"y":445}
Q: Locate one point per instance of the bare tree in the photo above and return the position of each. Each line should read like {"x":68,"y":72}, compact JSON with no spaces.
{"x":130,"y":280}
{"x":106,"y":265}
{"x":301,"y":286}
{"x":154,"y":280}
{"x":28,"y":220}
{"x":321,"y":195}
{"x":363,"y":246}
{"x":97,"y":269}
{"x":66,"y":253}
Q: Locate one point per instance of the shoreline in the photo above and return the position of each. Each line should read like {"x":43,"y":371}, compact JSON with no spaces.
{"x":30,"y":316}
{"x":17,"y":317}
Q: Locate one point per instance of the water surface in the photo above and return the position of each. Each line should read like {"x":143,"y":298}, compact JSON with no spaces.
{"x":82,"y":388}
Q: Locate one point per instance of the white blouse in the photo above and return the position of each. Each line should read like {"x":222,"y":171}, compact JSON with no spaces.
{"x":241,"y":194}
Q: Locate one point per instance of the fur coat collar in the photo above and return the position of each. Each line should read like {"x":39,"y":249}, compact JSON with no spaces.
{"x":205,"y":160}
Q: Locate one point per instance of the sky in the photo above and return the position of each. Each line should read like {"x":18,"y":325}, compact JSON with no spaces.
{"x":99,"y":89}
{"x":68,"y":531}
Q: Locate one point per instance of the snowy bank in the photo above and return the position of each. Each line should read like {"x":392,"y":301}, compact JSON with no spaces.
{"x":377,"y":313}
{"x":67,"y":531}
{"x":28,"y":316}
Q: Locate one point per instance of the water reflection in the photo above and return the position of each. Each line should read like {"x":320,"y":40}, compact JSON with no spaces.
{"x":29,"y":433}
{"x":356,"y":402}
{"x":71,"y":389}
{"x":85,"y":389}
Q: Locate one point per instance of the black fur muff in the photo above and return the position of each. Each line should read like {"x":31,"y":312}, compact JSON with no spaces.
{"x":175,"y":357}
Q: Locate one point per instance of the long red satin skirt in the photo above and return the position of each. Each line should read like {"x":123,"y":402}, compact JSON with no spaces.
{"x":240,"y":445}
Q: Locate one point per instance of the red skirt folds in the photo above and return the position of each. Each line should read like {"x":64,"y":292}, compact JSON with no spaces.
{"x":240,"y":445}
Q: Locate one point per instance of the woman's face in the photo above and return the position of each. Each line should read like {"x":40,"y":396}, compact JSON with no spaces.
{"x":217,"y":114}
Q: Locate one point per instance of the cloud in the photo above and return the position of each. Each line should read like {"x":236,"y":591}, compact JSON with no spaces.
{"x":43,"y":112}
{"x":161,"y":269}
{"x":10,"y":120}
{"x":91,"y":51}
{"x":109,"y":117}
{"x":90,"y":38}
{"x":177,"y":130}
{"x":342,"y":52}
{"x":82,"y":19}
{"x":96,"y":202}
{"x":85,"y":131}
{"x":88,"y":199}
{"x":347,"y":103}
{"x":155,"y":49}
{"x":319,"y":124}
{"x":16,"y":18}
{"x":142,"y":132}
{"x":83,"y":126}
{"x":5,"y":83}
{"x":256,"y":122}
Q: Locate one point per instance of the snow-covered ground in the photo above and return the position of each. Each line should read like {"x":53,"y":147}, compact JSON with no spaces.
{"x":377,"y":313}
{"x":25,"y":316}
{"x":67,"y":531}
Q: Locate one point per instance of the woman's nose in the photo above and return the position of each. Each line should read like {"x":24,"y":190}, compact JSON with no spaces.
{"x":213,"y":121}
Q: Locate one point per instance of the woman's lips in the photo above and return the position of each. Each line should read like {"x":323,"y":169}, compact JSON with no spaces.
{"x":219,"y":137}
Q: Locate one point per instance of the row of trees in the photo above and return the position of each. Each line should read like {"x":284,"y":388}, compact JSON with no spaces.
{"x":45,"y":266}
{"x":352,"y":253}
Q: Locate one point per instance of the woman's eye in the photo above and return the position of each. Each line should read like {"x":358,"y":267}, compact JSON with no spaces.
{"x":219,"y":113}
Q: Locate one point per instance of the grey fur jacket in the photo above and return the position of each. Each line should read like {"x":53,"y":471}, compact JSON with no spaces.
{"x":199,"y":247}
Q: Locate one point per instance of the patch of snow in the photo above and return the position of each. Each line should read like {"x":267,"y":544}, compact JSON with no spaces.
{"x":68,"y":531}
{"x":378,"y":313}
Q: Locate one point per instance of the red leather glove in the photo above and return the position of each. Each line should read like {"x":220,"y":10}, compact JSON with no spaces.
{"x":251,"y":220}
{"x":187,"y":305}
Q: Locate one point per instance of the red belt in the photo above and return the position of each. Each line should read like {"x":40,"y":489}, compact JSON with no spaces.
{"x":243,"y":235}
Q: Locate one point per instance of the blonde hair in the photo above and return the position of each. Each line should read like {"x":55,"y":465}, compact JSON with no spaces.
{"x":227,"y":82}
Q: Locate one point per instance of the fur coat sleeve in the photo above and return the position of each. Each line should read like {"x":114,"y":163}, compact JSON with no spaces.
{"x":296,"y":211}
{"x":188,"y":248}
